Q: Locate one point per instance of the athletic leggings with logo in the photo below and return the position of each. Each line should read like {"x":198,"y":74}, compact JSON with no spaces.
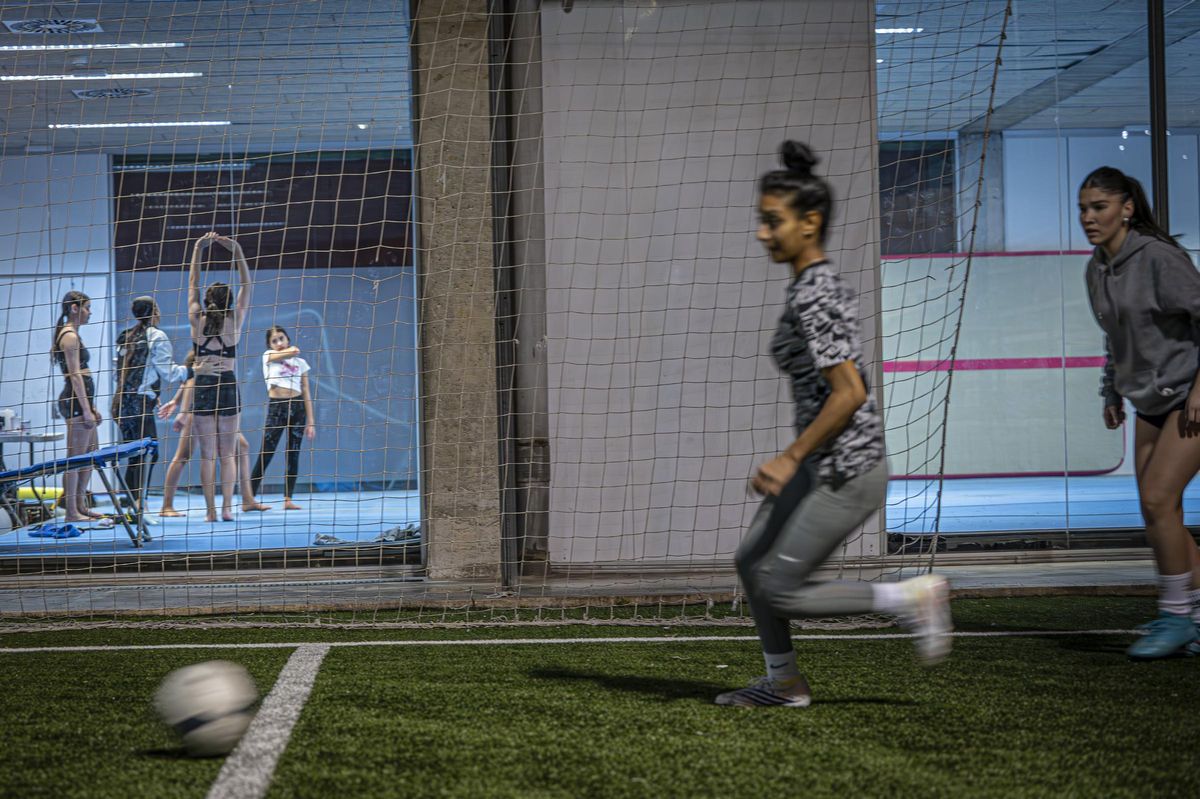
{"x":790,"y":537}
{"x":282,"y":415}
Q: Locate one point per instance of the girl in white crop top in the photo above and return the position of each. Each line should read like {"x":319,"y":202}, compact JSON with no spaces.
{"x":290,"y":410}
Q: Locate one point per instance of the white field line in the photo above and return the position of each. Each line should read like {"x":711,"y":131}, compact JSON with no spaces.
{"x":247,"y":772}
{"x":687,"y":639}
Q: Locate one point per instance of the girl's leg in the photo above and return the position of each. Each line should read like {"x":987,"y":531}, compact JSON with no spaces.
{"x":71,"y":478}
{"x":776,"y":565}
{"x":272,"y":431}
{"x":295,"y":436}
{"x":784,"y":684}
{"x":1173,"y":461}
{"x":138,"y":425}
{"x":204,"y":434}
{"x":183,"y":454}
{"x":249,"y":503}
{"x":92,"y":443}
{"x":227,"y":435}
{"x":773,"y":631}
{"x":80,"y":440}
{"x":1167,"y":460}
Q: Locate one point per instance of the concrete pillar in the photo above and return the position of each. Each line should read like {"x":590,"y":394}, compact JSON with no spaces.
{"x":529,"y":261}
{"x":459,"y":449}
{"x":977,"y":161}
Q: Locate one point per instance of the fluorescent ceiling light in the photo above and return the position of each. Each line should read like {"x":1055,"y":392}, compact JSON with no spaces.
{"x":79,"y":125}
{"x":899,"y":30}
{"x":40,"y":48}
{"x":114,"y":76}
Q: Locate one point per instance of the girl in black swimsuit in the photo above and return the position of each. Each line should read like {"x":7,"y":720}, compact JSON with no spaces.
{"x":76,"y":403}
{"x":216,"y":328}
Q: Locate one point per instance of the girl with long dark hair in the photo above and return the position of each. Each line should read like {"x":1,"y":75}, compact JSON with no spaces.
{"x":77,"y":401}
{"x":183,"y":451}
{"x":1145,"y":294}
{"x":144,"y":363}
{"x":216,"y":329}
{"x":833,"y":476}
{"x":289,"y":410}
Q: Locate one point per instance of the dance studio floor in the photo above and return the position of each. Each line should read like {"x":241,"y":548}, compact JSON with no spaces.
{"x":330,"y":519}
{"x":993,"y":505}
{"x":990,"y":505}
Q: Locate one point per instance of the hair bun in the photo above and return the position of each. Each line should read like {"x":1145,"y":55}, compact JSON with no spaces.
{"x":798,"y":157}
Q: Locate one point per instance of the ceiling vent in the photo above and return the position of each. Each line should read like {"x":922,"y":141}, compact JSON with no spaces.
{"x":111,"y":93}
{"x":61,"y":25}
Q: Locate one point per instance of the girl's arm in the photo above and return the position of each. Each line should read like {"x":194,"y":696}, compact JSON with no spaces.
{"x":847,"y":395}
{"x":283,"y":355}
{"x":310,"y":424}
{"x":167,"y":407}
{"x":161,"y":359}
{"x":69,"y":343}
{"x":184,"y":396}
{"x":242,"y":301}
{"x":195,"y":309}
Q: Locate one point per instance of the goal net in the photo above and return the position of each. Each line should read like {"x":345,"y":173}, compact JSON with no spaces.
{"x":513,"y":242}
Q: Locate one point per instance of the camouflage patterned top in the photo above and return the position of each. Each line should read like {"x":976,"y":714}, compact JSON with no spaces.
{"x":819,"y":329}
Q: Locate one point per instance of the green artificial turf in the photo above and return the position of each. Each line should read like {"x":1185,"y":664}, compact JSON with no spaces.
{"x":1003,"y":718}
{"x":83,"y":724}
{"x":1058,"y":716}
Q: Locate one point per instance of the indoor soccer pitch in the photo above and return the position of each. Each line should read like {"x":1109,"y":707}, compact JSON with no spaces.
{"x":1037,"y":699}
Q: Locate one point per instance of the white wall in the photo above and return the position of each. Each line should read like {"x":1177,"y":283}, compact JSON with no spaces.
{"x":55,"y":235}
{"x":1042,"y":173}
{"x":1014,"y":410}
{"x":659,"y":119}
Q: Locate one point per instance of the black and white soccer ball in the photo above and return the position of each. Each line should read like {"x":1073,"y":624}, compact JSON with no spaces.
{"x":209,"y":705}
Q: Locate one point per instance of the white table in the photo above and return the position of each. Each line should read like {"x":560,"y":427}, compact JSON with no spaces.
{"x":25,"y":437}
{"x":22,"y":437}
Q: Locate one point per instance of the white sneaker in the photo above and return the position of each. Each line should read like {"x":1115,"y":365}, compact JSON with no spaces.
{"x":928,"y":617}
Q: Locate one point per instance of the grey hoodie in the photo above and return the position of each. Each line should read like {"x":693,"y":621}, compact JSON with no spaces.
{"x":1147,"y":301}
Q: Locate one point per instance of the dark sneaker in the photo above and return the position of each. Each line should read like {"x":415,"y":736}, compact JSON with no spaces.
{"x":765,"y":692}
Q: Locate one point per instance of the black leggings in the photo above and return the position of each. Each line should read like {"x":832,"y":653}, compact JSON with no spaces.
{"x":136,"y":421}
{"x":282,"y":414}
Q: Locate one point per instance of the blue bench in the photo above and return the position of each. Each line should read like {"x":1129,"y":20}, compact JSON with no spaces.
{"x":100,"y":459}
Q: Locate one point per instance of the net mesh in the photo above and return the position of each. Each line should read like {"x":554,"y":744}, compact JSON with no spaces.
{"x":514,"y":244}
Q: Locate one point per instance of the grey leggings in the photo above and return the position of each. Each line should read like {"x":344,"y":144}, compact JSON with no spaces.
{"x":790,"y":537}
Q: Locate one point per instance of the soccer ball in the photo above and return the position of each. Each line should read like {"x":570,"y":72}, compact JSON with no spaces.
{"x":209,"y":704}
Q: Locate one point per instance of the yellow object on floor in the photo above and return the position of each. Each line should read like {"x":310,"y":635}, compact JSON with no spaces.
{"x":39,"y":492}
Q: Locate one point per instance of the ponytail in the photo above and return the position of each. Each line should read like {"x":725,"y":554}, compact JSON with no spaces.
{"x":218,"y":299}
{"x":69,"y":299}
{"x":1111,"y":180}
{"x":143,"y":310}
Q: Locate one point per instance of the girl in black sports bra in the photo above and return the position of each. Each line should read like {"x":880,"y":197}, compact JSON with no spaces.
{"x":216,"y":328}
{"x":77,"y":402}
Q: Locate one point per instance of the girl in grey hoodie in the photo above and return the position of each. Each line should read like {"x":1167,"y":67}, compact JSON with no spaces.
{"x":1145,"y":294}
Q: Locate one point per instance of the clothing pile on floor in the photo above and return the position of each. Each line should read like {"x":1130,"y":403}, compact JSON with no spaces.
{"x":405,"y":534}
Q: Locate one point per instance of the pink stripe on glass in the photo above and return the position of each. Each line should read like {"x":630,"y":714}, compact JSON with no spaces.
{"x":995,"y":364}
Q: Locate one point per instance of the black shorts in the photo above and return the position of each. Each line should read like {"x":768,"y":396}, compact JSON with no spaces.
{"x":216,"y":395}
{"x":68,"y":403}
{"x":1156,"y":419}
